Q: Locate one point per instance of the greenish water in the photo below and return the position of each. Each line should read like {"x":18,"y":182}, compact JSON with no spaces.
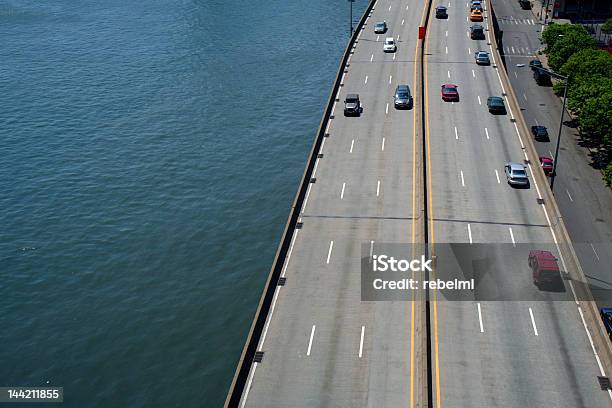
{"x":150,"y":152}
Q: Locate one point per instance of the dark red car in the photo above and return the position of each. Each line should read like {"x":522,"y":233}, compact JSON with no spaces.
{"x":544,"y":267}
{"x":547,"y":165}
{"x":450,"y":93}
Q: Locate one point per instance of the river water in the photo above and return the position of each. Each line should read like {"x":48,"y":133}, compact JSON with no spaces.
{"x":150,"y":151}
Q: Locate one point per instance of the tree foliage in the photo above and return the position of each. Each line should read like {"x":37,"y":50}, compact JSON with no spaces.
{"x":586,"y":63}
{"x":595,"y":120}
{"x":607,"y":175}
{"x":555,"y":32}
{"x":607,"y":26}
{"x":568,"y":45}
{"x":585,"y":88}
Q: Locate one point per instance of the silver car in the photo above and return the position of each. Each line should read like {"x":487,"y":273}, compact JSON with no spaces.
{"x":516,"y":174}
{"x":380,"y":27}
{"x":482,"y":58}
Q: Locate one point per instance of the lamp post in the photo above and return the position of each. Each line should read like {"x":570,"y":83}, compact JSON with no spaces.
{"x":566,"y":79}
{"x":351,"y":17}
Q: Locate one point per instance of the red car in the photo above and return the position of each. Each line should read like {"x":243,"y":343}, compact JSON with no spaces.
{"x":547,"y":165}
{"x":450,"y":93}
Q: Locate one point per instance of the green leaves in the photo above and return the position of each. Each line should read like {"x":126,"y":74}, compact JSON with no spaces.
{"x":572,"y":52}
{"x":607,"y":26}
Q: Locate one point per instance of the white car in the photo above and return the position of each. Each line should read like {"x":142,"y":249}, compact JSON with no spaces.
{"x":389,"y":45}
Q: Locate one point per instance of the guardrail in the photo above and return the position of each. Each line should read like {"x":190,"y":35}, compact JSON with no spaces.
{"x":598,"y":338}
{"x":248,"y":353}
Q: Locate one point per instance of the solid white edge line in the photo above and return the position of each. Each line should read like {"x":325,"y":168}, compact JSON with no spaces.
{"x":306,"y":198}
{"x":470,"y":233}
{"x":312,"y":332}
{"x":268,"y":320}
{"x":535,"y":329}
{"x":361,"y":341}
{"x":331,"y":247}
{"x":480,"y":318}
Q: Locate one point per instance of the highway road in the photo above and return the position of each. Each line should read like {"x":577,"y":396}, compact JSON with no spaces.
{"x":325,"y":347}
{"x":584,"y":201}
{"x":528,"y":353}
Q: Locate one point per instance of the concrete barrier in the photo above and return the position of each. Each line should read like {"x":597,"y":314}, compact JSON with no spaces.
{"x":248,"y":353}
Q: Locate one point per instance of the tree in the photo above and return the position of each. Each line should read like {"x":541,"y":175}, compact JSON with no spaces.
{"x":554,"y":32}
{"x":582,"y":89}
{"x":606,"y":28}
{"x":607,"y":175}
{"x":568,"y":45}
{"x":595,"y":120}
{"x":587,"y":63}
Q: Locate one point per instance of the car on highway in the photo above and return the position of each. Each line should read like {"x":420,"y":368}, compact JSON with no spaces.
{"x":477,"y":32}
{"x":441,"y":12}
{"x":534,"y":64}
{"x":402,"y":98}
{"x":495,"y":104}
{"x":516,"y":175}
{"x":380,"y":27}
{"x":475,"y":3}
{"x":476,"y":15}
{"x":540,"y":133}
{"x":541,"y":77}
{"x":482,"y":58}
{"x":544,"y":267}
{"x":475,"y":7}
{"x":449,"y":93}
{"x":352,"y":105}
{"x":525,"y":4}
{"x":389,"y":45}
{"x":606,"y":318}
{"x":547,"y":165}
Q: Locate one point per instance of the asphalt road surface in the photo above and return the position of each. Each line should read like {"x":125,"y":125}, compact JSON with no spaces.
{"x":323,"y":346}
{"x":529,"y":353}
{"x":584,"y":201}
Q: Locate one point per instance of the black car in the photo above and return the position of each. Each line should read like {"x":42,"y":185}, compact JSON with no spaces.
{"x":535,"y":64}
{"x":477,"y":32}
{"x":441,"y":12}
{"x":352,"y":105}
{"x":402,"y":98}
{"x":539,"y":133}
{"x":525,"y":4}
{"x":541,"y":77}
